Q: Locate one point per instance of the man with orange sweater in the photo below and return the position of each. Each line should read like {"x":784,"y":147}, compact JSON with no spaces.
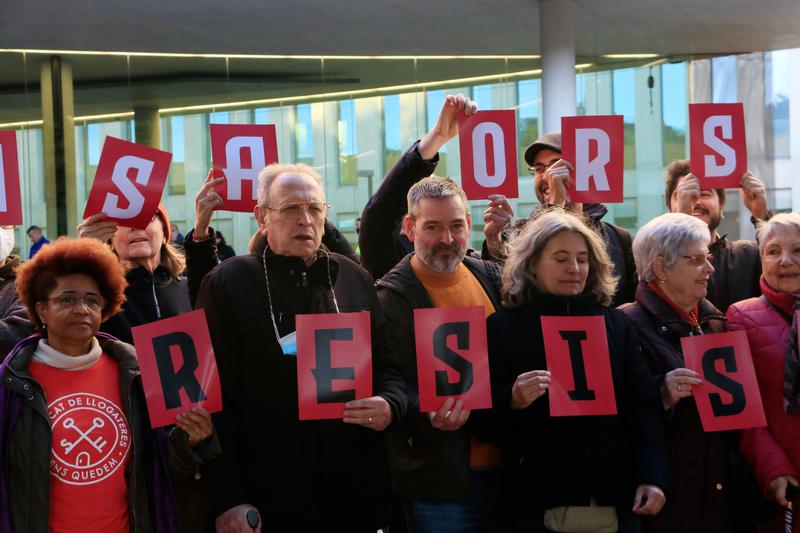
{"x":448,"y":479}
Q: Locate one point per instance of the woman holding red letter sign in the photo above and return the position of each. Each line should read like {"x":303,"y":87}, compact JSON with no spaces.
{"x":571,"y":473}
{"x":770,"y":322}
{"x":76,"y":449}
{"x":674,"y":266}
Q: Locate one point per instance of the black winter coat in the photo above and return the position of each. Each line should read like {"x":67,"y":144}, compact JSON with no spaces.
{"x":425,"y":462}
{"x":312,"y":475}
{"x":149,"y":297}
{"x":563,"y":461}
{"x":698,"y":460}
{"x":737,"y":269}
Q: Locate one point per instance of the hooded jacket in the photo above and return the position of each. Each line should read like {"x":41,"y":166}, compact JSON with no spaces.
{"x":25,"y":447}
{"x":14,"y":324}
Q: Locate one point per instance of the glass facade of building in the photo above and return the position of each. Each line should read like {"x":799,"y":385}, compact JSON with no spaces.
{"x":352,"y":142}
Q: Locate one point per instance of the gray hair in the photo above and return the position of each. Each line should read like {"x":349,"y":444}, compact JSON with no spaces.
{"x":271,"y":172}
{"x":784,"y":221}
{"x":433,"y":187}
{"x":519,"y":271}
{"x":667,"y":236}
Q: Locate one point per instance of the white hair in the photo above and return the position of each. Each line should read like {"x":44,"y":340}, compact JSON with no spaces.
{"x":782,"y":221}
{"x":667,"y":236}
{"x":271,"y":172}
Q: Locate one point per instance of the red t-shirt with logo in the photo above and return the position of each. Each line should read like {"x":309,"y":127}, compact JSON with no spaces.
{"x":91,"y":440}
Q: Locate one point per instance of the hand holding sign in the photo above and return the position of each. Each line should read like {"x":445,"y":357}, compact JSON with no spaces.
{"x":10,"y":200}
{"x":488,"y":141}
{"x":128,"y":183}
{"x":729,"y":397}
{"x":373,"y":413}
{"x":754,"y":195}
{"x":576,"y":348}
{"x":595,"y":145}
{"x":528,"y":387}
{"x":206,"y":201}
{"x":197,"y":425}
{"x":717,"y":144}
{"x":679,"y":384}
{"x":178,"y":370}
{"x":241,"y":151}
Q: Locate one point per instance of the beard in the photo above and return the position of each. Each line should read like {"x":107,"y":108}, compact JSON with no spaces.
{"x":713,"y":220}
{"x":444,"y":264}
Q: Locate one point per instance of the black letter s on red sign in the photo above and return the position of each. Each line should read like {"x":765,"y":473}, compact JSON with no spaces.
{"x":722,"y":381}
{"x":454,"y":360}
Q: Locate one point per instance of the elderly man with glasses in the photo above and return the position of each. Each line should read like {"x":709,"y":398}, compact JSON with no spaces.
{"x":326,"y":475}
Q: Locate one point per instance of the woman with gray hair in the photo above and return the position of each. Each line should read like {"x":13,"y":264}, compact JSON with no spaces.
{"x":770,"y":322}
{"x":674,"y":265}
{"x":577,"y":472}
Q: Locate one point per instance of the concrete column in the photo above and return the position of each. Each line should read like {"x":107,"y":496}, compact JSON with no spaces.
{"x":148,"y":126}
{"x":557,"y":39}
{"x":58,"y":136}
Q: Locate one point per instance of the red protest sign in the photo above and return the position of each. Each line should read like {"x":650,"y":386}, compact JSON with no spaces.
{"x":729,"y":397}
{"x":488,"y":143}
{"x":241,"y":151}
{"x":576,"y":349}
{"x":717,"y":144}
{"x":10,"y":201}
{"x":178,"y":367}
{"x":334,"y":362}
{"x":452,"y":357}
{"x":128,"y":183}
{"x":596,"y":148}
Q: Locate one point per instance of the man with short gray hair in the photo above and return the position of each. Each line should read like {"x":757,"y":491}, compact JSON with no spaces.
{"x":447,"y":477}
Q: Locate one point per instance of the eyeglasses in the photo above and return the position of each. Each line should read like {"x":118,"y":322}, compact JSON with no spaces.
{"x":316,"y":210}
{"x":699,"y":259}
{"x":68,"y":300}
{"x":540,"y":168}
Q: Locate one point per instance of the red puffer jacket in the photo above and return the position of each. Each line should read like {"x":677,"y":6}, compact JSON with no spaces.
{"x":774,"y":450}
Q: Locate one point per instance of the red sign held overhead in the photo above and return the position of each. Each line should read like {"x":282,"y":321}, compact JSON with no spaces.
{"x":452,"y":357}
{"x":729,"y":397}
{"x":576,"y":349}
{"x":717,"y":144}
{"x":128,"y":183}
{"x":10,"y":201}
{"x":595,"y":146}
{"x":178,"y":367}
{"x":334,"y":363}
{"x":241,"y":151}
{"x":488,"y":143}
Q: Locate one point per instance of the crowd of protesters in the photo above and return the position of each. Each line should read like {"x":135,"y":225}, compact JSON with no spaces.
{"x":70,"y":373}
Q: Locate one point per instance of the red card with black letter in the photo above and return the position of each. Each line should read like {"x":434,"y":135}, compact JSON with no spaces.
{"x":717,"y":144}
{"x":178,"y":367}
{"x":488,"y":145}
{"x":10,"y":201}
{"x":595,"y":146}
{"x":576,"y":348}
{"x":729,"y":397}
{"x":452,"y":357}
{"x":240,"y":152}
{"x":128,"y":183}
{"x":334,"y":362}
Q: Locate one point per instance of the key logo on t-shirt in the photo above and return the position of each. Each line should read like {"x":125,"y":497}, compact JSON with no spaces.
{"x":90,"y":438}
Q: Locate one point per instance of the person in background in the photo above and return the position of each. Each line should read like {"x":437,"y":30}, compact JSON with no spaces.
{"x":14,"y":324}
{"x":224,"y":251}
{"x":571,"y":473}
{"x":78,"y":452}
{"x":737,"y":266}
{"x":37,"y":239}
{"x":770,"y":322}
{"x":673,"y":262}
{"x":175,"y":236}
{"x":551,"y":178}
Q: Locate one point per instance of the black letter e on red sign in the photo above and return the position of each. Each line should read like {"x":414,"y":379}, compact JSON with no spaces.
{"x":325,"y":373}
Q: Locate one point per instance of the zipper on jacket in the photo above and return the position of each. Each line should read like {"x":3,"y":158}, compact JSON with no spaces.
{"x":155,"y":298}
{"x":303,"y":279}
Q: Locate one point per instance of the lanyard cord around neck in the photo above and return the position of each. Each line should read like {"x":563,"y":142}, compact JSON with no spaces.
{"x":269,"y":294}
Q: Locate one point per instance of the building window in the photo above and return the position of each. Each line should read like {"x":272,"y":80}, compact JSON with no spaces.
{"x":528,"y":118}
{"x":625,"y":104}
{"x":723,"y":80}
{"x":674,"y":106}
{"x":304,"y":135}
{"x":776,"y":91}
{"x":348,"y":143}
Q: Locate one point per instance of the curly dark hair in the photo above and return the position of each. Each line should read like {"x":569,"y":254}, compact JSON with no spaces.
{"x":37,"y":278}
{"x":675,"y":171}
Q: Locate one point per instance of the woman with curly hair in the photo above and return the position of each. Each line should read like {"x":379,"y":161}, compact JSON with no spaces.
{"x":77,"y":452}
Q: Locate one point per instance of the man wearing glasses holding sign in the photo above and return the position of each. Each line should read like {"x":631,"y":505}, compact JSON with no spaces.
{"x":306,"y":473}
